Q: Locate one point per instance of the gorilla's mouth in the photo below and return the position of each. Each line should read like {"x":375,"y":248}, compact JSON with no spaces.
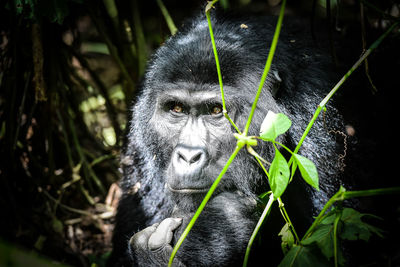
{"x":187,"y":190}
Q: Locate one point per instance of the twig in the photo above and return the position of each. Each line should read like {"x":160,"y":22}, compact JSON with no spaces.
{"x":83,"y":158}
{"x":94,"y":217}
{"x":82,"y":212}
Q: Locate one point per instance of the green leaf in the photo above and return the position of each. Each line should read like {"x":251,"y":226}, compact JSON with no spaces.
{"x":57,"y":226}
{"x":323,"y":237}
{"x":308,"y":170}
{"x":300,"y":256}
{"x":330,"y":217}
{"x":351,"y":228}
{"x":274,"y":125}
{"x":287,"y":238}
{"x":279,"y":174}
{"x":355,"y":228}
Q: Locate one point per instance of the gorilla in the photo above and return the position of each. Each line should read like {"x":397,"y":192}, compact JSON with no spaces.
{"x":179,"y":141}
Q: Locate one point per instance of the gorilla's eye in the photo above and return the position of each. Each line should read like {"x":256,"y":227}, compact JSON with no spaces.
{"x":216,"y":109}
{"x":177,"y":108}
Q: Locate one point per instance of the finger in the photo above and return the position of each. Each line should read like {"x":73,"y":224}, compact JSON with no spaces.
{"x":140,"y":239}
{"x":164,"y":233}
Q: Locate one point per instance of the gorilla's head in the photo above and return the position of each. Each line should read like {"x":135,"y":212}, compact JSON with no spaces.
{"x":185,"y":129}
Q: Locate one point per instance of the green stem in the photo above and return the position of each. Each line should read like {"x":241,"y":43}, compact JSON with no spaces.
{"x":342,"y":195}
{"x":112,"y":48}
{"x":267,"y":66}
{"x":202,"y":205}
{"x":257,"y":228}
{"x":140,"y":40}
{"x":285,"y":216}
{"x":167,"y":17}
{"x":112,"y":11}
{"x":81,"y":212}
{"x":331,"y":201}
{"x":371,"y":192}
{"x":216,"y":59}
{"x":310,"y":124}
{"x":208,"y":9}
{"x":339,"y":84}
{"x":101,"y":159}
{"x":262,"y":166}
{"x":284,"y":213}
{"x":275,"y":142}
{"x":335,"y":245}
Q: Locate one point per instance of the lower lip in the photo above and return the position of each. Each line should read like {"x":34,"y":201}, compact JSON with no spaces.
{"x":187,"y":190}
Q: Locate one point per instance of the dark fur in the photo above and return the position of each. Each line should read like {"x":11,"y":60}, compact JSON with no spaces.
{"x":186,"y":62}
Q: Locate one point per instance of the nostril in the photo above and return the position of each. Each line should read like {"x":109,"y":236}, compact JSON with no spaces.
{"x":196,"y":157}
{"x":181,"y":157}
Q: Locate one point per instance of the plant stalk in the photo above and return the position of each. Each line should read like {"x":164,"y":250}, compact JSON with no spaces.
{"x":267,"y":66}
{"x":202,"y":205}
{"x":167,"y":17}
{"x":257,"y":228}
{"x":343,"y":195}
{"x":321,"y":215}
{"x":225,"y":111}
{"x":285,"y":215}
{"x":339,"y":84}
{"x":335,"y":237}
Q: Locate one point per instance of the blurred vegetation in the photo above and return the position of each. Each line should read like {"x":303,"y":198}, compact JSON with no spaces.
{"x":69,"y":70}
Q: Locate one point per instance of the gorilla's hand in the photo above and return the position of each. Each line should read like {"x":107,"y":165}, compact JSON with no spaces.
{"x":152,"y":245}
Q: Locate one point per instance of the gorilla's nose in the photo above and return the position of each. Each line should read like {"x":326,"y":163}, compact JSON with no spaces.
{"x":189,"y":160}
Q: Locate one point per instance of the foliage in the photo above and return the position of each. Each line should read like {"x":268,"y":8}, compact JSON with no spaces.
{"x":273,"y":126}
{"x":318,"y":247}
{"x":66,"y":78}
{"x":53,"y":10}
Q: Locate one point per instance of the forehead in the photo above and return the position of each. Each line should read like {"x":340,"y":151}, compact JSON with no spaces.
{"x":185,"y":93}
{"x":190,"y":92}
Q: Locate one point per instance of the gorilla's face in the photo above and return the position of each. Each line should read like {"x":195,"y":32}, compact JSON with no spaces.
{"x":191,"y":123}
{"x":187,"y":131}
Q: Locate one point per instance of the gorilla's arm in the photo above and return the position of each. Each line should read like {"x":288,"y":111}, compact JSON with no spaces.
{"x":218,"y":238}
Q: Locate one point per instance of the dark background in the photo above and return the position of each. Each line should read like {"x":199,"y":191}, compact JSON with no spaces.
{"x":69,"y":71}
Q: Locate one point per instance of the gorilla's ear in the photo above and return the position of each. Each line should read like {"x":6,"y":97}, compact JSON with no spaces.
{"x":276,"y":84}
